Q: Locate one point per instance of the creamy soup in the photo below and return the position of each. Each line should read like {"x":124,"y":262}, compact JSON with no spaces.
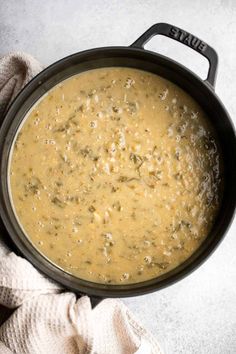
{"x":115,"y":175}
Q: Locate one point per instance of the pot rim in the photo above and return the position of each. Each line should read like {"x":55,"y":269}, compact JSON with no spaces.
{"x":40,"y":261}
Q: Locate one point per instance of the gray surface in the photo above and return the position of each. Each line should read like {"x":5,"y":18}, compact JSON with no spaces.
{"x":197,"y":315}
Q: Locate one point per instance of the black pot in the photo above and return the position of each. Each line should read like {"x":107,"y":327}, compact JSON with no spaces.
{"x":136,"y":57}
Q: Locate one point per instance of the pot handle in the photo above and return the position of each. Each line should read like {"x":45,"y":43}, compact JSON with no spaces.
{"x":186,"y":38}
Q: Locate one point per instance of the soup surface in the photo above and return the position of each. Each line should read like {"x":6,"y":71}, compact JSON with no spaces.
{"x":115,"y":175}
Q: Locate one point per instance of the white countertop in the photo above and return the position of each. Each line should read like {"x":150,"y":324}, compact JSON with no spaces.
{"x":198,"y":314}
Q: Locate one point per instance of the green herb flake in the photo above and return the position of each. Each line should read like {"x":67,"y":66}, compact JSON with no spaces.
{"x":91,"y":209}
{"x":58,"y":202}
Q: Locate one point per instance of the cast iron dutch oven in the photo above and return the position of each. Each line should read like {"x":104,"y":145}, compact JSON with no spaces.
{"x":134,"y":56}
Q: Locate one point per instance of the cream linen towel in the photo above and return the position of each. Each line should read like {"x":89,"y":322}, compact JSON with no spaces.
{"x":45,"y":318}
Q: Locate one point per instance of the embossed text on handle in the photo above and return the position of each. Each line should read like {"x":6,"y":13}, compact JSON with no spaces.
{"x":188,"y":39}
